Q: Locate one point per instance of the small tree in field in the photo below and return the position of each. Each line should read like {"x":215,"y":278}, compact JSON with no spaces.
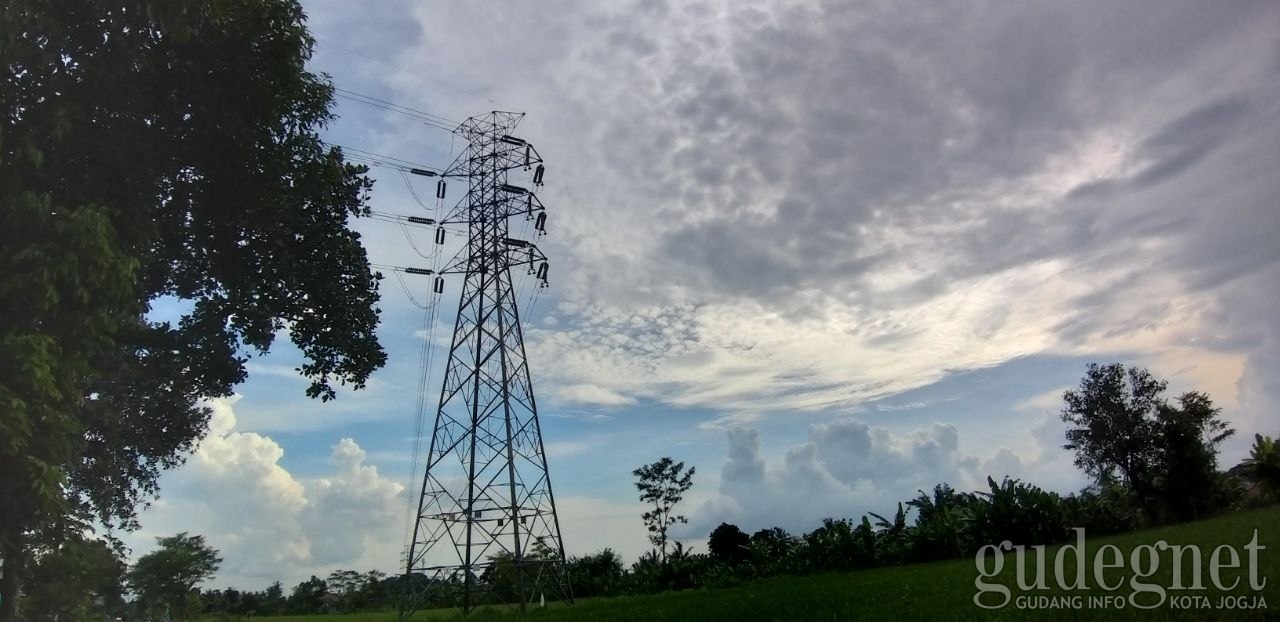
{"x":729,"y":544}
{"x":663,"y":484}
{"x":167,"y":575}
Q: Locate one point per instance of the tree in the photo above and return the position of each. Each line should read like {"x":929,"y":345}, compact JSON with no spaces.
{"x":1262,"y":467}
{"x":1113,"y":414}
{"x":940,"y":522}
{"x":307,"y":597}
{"x":1123,"y":428}
{"x":1016,"y":511}
{"x":167,"y":576}
{"x":600,"y":574}
{"x":373,"y":591}
{"x":774,"y":550}
{"x":663,"y":484}
{"x":77,"y":579}
{"x":1188,"y":484}
{"x":729,"y":544}
{"x":130,"y":172}
{"x":893,"y":540}
{"x":273,"y":600}
{"x":345,"y":584}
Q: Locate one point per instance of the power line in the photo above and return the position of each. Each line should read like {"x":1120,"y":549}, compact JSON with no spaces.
{"x":384,"y":158}
{"x":408,"y":183}
{"x":424,"y":118}
{"x":406,"y":110}
{"x":370,"y":158}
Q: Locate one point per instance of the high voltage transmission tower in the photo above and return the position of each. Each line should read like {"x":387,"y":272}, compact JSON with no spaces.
{"x":486,"y":529}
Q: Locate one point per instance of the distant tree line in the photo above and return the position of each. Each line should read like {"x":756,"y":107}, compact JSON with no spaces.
{"x":1152,"y":461}
{"x":343,"y":591}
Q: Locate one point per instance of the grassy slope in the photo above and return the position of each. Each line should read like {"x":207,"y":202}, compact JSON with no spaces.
{"x":937,"y":591}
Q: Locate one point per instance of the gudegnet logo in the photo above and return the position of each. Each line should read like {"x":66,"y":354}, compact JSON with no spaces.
{"x":1108,"y":570}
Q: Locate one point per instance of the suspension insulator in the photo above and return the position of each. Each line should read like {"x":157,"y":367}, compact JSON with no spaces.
{"x":438,"y":286}
{"x":537,"y":175}
{"x":527,"y":150}
{"x":542,"y":271}
{"x":440,"y":189}
{"x":440,"y":235}
{"x":541,"y":222}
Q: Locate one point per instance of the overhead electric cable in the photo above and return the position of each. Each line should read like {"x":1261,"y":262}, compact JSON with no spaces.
{"x":408,"y":183}
{"x":443,"y":122}
{"x":424,"y":121}
{"x":369,"y":158}
{"x":389,"y":159}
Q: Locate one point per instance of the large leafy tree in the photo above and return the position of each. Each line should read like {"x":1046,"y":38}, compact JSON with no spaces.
{"x":166,"y":576}
{"x":1112,"y":419}
{"x":158,"y":150}
{"x":1122,"y":428}
{"x":663,"y":484}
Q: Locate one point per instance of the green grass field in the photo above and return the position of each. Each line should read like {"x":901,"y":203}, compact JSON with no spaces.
{"x":945,"y":590}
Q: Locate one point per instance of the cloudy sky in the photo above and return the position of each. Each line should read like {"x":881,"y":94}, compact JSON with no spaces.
{"x":827,"y":252}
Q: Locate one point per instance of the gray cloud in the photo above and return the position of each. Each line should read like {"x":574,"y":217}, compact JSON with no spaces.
{"x":847,"y":468}
{"x":744,"y":468}
{"x":973,"y":183}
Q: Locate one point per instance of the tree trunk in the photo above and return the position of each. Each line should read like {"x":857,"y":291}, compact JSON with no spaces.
{"x":12,"y":557}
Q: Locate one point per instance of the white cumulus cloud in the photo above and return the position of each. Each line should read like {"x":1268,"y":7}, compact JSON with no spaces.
{"x":269,"y":524}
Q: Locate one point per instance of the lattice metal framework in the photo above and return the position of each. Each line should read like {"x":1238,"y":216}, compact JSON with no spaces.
{"x":486,"y":529}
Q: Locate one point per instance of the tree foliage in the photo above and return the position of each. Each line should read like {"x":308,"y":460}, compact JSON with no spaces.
{"x":167,"y":576}
{"x":307,"y":597}
{"x":1262,"y":467}
{"x":595,"y":575}
{"x":773,"y":551}
{"x":1123,"y":429}
{"x":729,"y":544}
{"x":76,"y":579}
{"x":155,"y":150}
{"x":1112,"y":415}
{"x":941,"y":519}
{"x":1188,"y":484}
{"x":663,"y":484}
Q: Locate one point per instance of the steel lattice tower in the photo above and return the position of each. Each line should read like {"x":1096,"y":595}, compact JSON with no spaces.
{"x":486,"y":528}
